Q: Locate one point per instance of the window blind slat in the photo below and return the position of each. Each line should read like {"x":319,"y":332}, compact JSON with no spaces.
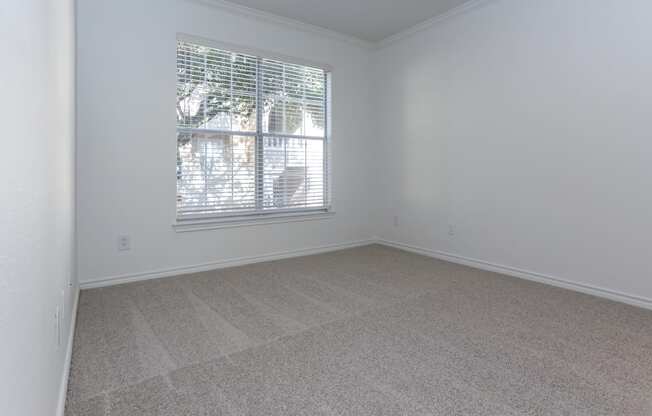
{"x":250,"y":134}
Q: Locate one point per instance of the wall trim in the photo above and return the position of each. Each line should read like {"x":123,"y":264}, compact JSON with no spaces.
{"x":285,"y":21}
{"x":63,"y":388}
{"x":221,"y":264}
{"x":463,"y":8}
{"x":633,"y":300}
{"x":186,"y":226}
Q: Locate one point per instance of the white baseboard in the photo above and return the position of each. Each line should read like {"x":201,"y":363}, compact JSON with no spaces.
{"x":221,"y":264}
{"x":63,"y":388}
{"x":524,"y":274}
{"x":639,"y":301}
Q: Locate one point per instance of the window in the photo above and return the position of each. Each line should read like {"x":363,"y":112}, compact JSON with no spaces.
{"x":251,"y":134}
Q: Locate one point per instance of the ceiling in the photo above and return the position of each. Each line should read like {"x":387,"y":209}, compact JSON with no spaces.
{"x":369,"y":20}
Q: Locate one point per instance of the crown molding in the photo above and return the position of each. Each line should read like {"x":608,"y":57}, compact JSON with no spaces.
{"x":318,"y":30}
{"x":463,"y":8}
{"x":294,"y":24}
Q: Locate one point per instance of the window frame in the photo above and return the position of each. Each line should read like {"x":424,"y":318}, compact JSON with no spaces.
{"x":193,"y":222}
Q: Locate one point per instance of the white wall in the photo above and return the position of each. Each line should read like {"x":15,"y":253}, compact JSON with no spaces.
{"x":36,"y":201}
{"x":525,"y":124}
{"x":127,"y":142}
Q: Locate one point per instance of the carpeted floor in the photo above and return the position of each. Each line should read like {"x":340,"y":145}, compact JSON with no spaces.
{"x":367,"y":331}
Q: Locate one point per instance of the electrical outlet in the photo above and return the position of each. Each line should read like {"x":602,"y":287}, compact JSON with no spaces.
{"x":396,"y":221}
{"x":451,"y":230}
{"x":124,"y":243}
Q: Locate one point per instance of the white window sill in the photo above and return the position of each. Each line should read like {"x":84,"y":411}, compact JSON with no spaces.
{"x":186,"y":226}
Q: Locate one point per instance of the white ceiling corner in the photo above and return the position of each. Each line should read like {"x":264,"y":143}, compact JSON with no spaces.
{"x":367,"y":23}
{"x":283,"y":20}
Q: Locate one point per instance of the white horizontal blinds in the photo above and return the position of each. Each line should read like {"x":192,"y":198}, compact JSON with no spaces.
{"x":294,"y":111}
{"x":250,"y":134}
{"x":293,"y":97}
{"x":216,"y":173}
{"x":293,"y":173}
{"x":215,"y":89}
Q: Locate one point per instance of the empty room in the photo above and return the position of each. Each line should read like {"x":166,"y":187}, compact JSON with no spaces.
{"x":326,"y":208}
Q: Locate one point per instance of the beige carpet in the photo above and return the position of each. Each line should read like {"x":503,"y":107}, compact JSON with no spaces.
{"x":367,"y":331}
